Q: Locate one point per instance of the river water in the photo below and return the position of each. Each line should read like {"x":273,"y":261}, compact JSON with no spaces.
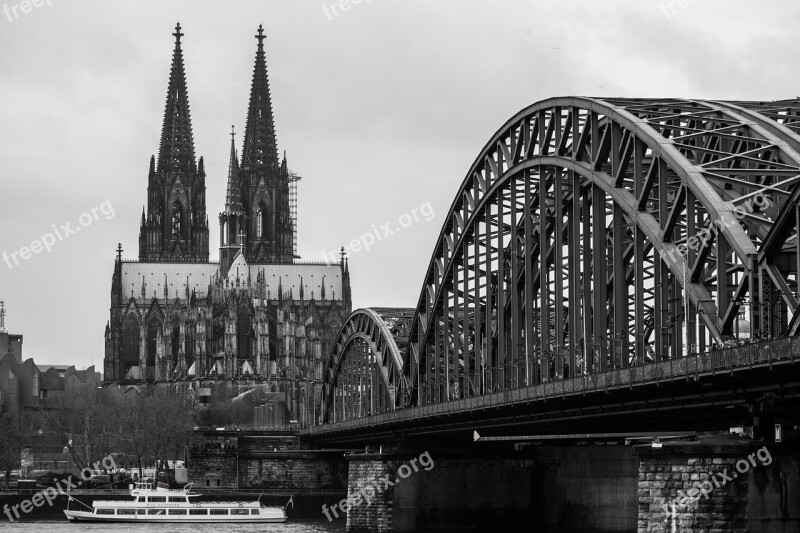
{"x":55,"y":526}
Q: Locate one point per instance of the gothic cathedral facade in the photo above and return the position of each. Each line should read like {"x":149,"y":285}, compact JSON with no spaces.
{"x":258,"y":314}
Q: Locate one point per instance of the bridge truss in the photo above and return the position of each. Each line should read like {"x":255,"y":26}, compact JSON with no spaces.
{"x":591,"y":235}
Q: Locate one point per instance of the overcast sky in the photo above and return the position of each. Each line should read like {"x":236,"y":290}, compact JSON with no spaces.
{"x":381,"y":108}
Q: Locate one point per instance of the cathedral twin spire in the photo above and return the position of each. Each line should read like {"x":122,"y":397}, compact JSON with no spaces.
{"x":175,"y":227}
{"x":176,"y":151}
{"x":258,"y":217}
{"x":260,"y":150}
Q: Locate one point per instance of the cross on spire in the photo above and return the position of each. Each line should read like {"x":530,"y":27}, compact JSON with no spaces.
{"x":260,"y":36}
{"x":241,"y":239}
{"x":178,"y":34}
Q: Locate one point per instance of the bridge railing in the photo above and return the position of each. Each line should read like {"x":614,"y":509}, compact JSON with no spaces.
{"x":714,"y":361}
{"x":720,"y":360}
{"x":737,"y":358}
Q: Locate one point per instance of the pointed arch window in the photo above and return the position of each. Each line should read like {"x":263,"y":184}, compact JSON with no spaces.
{"x":243,"y":330}
{"x":176,"y":341}
{"x":130,"y":341}
{"x":262,"y":220}
{"x":177,"y":219}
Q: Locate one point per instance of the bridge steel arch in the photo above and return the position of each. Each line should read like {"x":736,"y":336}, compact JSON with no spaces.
{"x":364,"y":374}
{"x":594,"y":234}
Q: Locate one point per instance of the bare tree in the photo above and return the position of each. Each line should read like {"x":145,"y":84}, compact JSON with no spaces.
{"x":132,"y":428}
{"x":169,"y":423}
{"x":11,"y":443}
{"x":87,"y":424}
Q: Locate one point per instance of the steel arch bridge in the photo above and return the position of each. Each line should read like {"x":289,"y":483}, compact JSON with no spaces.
{"x":591,"y":235}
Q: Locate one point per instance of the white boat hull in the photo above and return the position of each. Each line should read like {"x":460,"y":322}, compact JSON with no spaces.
{"x":175,"y":506}
{"x":85,"y":516}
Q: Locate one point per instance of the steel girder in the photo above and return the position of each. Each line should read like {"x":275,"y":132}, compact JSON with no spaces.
{"x":595,"y":234}
{"x":592,"y":234}
{"x":364,"y":373}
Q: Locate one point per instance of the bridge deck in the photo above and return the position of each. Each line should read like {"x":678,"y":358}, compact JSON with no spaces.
{"x":736,"y":360}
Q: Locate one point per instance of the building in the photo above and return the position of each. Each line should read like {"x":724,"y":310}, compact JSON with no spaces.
{"x":258,"y":314}
{"x":9,"y":343}
{"x":26,"y":385}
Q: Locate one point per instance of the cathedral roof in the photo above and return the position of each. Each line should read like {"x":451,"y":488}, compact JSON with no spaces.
{"x":153,"y":276}
{"x":176,"y":275}
{"x":176,"y":152}
{"x":239,"y":268}
{"x":313,"y":275}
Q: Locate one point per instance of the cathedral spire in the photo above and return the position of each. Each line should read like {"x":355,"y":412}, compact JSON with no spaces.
{"x":176,"y":152}
{"x":175,"y":228}
{"x":260,"y":147}
{"x":233,"y":199}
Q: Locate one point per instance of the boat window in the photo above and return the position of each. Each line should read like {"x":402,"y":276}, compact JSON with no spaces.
{"x":253,"y":511}
{"x":156,"y":511}
{"x":198,"y":511}
{"x":239,"y":511}
{"x":126,"y":511}
{"x":141,"y":511}
{"x":177,"y":511}
{"x":219,"y":511}
{"x":179,"y":499}
{"x":105,"y":511}
{"x":157,"y":499}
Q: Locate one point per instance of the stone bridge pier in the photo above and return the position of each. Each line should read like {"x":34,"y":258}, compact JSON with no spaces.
{"x":718,"y":484}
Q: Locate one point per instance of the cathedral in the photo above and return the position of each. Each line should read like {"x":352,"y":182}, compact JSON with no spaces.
{"x":259,"y":314}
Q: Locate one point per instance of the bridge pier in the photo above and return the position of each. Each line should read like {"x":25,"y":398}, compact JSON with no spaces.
{"x":718,"y":484}
{"x":715,"y":484}
{"x":369,"y":498}
{"x":556,"y":488}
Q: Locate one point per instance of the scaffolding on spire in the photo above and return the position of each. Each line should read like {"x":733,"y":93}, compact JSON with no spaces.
{"x":2,"y":317}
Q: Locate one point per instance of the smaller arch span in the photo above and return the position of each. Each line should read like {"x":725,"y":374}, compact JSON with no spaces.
{"x":364,"y":373}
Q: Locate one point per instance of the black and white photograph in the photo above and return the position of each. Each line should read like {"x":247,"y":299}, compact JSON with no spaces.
{"x":368,"y":266}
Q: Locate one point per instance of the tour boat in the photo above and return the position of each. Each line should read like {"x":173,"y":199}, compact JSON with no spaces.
{"x":158,"y":504}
